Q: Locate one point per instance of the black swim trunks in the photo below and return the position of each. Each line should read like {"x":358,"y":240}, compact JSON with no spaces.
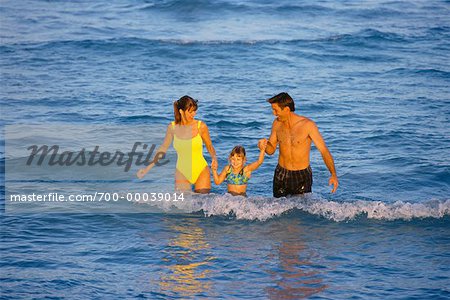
{"x":287,"y":182}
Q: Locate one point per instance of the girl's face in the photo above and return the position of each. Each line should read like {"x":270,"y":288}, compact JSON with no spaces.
{"x":237,"y":161}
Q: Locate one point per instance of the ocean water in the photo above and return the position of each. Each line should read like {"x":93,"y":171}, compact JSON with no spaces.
{"x":373,"y":75}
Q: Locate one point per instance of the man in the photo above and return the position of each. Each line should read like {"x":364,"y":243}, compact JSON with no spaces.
{"x":294,"y":134}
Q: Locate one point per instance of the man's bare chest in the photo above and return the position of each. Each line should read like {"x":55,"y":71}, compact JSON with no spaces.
{"x":292,"y":137}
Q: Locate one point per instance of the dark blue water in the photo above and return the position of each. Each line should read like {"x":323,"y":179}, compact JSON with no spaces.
{"x":375,"y":78}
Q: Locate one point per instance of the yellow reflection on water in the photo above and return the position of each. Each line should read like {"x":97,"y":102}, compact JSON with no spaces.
{"x":187,"y":261}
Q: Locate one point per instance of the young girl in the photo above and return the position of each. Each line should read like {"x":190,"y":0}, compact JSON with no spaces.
{"x":236,"y":173}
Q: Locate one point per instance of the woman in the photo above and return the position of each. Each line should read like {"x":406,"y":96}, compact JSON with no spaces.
{"x":188,"y":136}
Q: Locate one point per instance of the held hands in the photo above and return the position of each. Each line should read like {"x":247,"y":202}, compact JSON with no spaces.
{"x":214,"y":164}
{"x":334,"y":182}
{"x":262,"y":144}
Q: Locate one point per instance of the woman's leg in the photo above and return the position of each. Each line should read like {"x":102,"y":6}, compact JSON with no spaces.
{"x":181,"y":183}
{"x":203,"y":183}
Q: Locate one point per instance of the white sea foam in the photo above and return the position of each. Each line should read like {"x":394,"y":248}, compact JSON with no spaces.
{"x":264,"y":208}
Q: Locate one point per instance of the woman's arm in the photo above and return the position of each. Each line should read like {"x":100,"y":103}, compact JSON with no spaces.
{"x":204,"y":133}
{"x":161,"y":150}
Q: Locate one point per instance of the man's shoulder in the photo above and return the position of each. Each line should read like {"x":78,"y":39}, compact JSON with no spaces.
{"x":303,"y":123}
{"x":303,"y":120}
{"x":276,"y":124}
{"x":300,"y":117}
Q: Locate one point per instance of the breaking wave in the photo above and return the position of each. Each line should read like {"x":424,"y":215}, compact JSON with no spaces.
{"x":264,"y":208}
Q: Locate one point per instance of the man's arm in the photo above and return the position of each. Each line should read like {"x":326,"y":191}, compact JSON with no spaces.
{"x":255,"y":165}
{"x":272,"y":142}
{"x":318,"y":141}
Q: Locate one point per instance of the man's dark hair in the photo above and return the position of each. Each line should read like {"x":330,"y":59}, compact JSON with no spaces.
{"x":283,"y":100}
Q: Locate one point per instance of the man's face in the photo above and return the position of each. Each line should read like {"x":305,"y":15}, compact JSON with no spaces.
{"x":281,"y":114}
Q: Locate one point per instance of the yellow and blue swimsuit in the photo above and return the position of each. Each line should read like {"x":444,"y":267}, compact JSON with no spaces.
{"x":236,"y":179}
{"x":190,"y":160}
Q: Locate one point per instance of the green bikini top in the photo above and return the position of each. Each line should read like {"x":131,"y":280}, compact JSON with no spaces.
{"x":236,"y":179}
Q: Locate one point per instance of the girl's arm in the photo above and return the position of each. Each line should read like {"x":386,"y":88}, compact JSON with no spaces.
{"x":218,"y":179}
{"x":161,"y":150}
{"x":253,"y":166}
{"x":204,"y":133}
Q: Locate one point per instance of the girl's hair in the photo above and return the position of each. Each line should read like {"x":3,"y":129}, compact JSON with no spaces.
{"x":239,"y":150}
{"x":184,"y":103}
